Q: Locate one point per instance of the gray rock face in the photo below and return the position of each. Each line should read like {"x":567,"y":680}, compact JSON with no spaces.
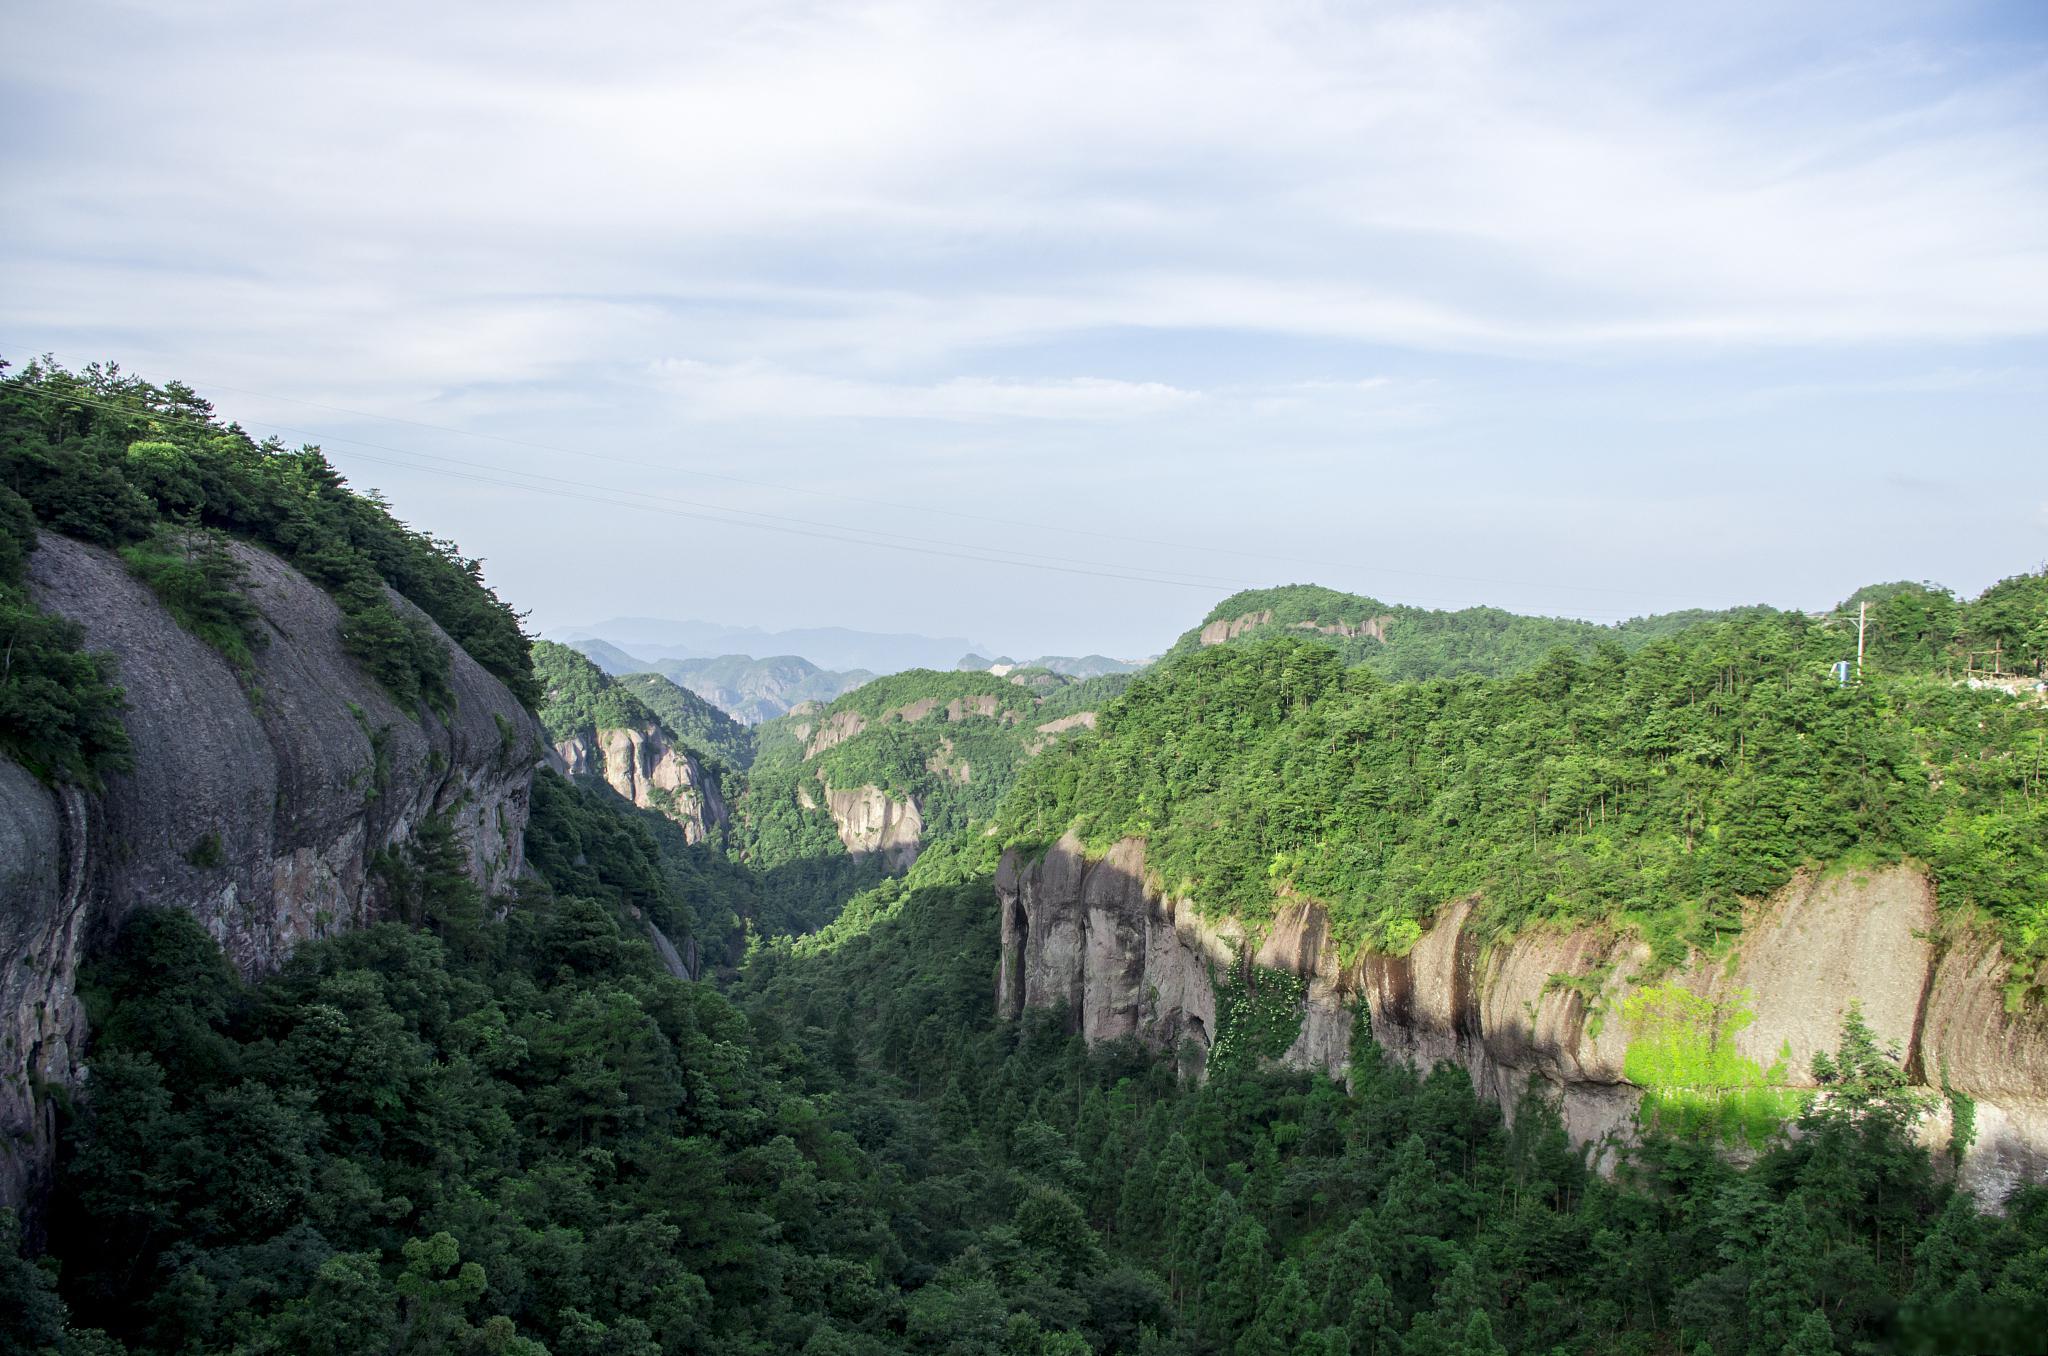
{"x":647,"y":770}
{"x":1543,"y":1009}
{"x":258,"y":810}
{"x":870,"y":821}
{"x":1122,"y":959}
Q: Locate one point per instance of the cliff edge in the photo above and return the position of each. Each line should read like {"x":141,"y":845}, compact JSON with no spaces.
{"x":258,"y":805}
{"x":1542,"y":1008}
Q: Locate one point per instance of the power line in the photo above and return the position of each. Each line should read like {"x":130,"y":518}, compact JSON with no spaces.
{"x":1208,"y":548}
{"x":633,"y":499}
{"x":636,"y":499}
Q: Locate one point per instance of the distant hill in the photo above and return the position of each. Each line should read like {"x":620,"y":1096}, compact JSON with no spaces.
{"x":1405,"y":642}
{"x":746,"y":689}
{"x":828,"y":647}
{"x":902,"y":760}
{"x":1085,"y":666}
{"x":753,"y":690}
{"x":611,"y":658}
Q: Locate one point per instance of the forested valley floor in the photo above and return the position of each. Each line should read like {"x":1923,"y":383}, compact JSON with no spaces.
{"x":511,"y":1131}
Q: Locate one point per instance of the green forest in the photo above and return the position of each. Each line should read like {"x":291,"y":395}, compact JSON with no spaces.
{"x":501,"y":1127}
{"x":1656,"y":788}
{"x":465,"y":1132}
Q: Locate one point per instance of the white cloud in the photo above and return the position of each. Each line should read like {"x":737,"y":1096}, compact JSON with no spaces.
{"x":759,"y":391}
{"x":893,"y":186}
{"x":1290,"y":271}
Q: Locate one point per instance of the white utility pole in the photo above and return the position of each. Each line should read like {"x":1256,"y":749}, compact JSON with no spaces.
{"x":1861,"y":608}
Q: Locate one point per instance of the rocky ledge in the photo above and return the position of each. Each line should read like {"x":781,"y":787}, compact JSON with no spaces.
{"x":1542,"y":1008}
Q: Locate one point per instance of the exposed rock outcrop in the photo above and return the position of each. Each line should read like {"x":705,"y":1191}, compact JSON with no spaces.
{"x":833,"y":732}
{"x":257,"y":809}
{"x":1225,"y":629}
{"x":870,"y":821}
{"x":646,"y":769}
{"x":1053,"y":729}
{"x":946,"y":762}
{"x":1376,"y":627}
{"x":1230,"y":628}
{"x":1095,"y":937}
{"x":1544,"y":1007}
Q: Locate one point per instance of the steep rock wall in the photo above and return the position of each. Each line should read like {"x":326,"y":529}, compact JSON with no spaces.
{"x":643,"y":767}
{"x":1543,"y":1008}
{"x":1122,"y":959}
{"x":258,"y":810}
{"x":870,"y":821}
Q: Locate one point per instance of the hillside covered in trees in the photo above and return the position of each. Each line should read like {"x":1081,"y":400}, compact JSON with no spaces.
{"x":474,"y":1131}
{"x":1657,"y":787}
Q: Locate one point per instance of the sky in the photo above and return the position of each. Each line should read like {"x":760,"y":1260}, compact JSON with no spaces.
{"x":1053,"y":324}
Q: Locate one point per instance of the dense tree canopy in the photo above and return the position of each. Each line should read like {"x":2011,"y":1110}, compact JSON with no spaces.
{"x":519,"y":1135}
{"x":1659,"y":788}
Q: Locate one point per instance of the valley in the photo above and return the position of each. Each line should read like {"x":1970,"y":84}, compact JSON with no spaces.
{"x":1353,"y":977}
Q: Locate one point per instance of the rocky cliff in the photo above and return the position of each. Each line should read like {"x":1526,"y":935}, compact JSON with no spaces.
{"x":259,"y":807}
{"x":870,"y":820}
{"x":1543,"y":1007}
{"x":648,"y":770}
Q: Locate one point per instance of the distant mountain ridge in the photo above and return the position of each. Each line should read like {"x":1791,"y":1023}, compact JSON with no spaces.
{"x":748,"y":690}
{"x":1412,"y":643}
{"x":828,"y":647}
{"x":1071,"y":666}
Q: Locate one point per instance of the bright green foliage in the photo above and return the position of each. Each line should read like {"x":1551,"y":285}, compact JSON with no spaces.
{"x":1659,"y":788}
{"x":1681,"y":1053}
{"x":716,"y":738}
{"x":203,"y":586}
{"x":1258,"y":1015}
{"x":1414,"y":643}
{"x":1085,"y":694}
{"x":579,"y":698}
{"x":115,"y":461}
{"x":60,"y":712}
{"x":1863,"y":1083}
{"x":2011,"y":618}
{"x":956,"y":765}
{"x":898,"y":690}
{"x":1277,"y":1211}
{"x":504,"y":1134}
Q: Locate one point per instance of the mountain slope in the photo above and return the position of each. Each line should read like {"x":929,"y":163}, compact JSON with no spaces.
{"x":297,"y":718}
{"x":611,"y":658}
{"x":1495,"y":867}
{"x":753,"y":690}
{"x":702,"y":727}
{"x":600,"y":729}
{"x":829,"y":647}
{"x":1404,"y":642}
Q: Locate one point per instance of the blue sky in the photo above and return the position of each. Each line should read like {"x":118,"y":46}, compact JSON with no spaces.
{"x":1592,"y":309}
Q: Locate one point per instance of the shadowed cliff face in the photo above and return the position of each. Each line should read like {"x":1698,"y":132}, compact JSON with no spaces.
{"x":1544,"y":1007}
{"x":257,"y":809}
{"x":643,"y":767}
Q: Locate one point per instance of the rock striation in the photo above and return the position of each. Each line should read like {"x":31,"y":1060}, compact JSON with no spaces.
{"x":1541,"y":1010}
{"x":257,"y":808}
{"x":1226,"y":629}
{"x":871,"y":821}
{"x":652,"y":773}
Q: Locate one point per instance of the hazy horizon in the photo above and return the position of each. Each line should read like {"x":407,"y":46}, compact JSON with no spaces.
{"x":1055,"y":326}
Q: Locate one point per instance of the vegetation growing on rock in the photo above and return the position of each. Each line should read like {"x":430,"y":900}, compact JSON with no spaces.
{"x":115,"y":461}
{"x":1659,"y":788}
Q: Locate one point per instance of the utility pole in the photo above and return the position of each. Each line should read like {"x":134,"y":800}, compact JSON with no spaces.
{"x":1861,"y":609}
